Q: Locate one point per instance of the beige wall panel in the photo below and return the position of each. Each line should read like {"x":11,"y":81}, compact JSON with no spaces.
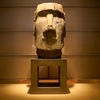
{"x":21,"y":43}
{"x":77,"y":67}
{"x":83,"y":19}
{"x":77,"y":43}
{"x":14,"y":67}
{"x":16,"y":19}
{"x":83,"y":67}
{"x":77,"y":19}
{"x":89,"y":3}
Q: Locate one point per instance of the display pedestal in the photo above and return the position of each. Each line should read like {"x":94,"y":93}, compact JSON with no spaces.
{"x":61,"y":87}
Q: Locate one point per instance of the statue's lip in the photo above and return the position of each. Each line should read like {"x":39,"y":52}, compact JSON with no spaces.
{"x":50,"y":41}
{"x":48,"y":28}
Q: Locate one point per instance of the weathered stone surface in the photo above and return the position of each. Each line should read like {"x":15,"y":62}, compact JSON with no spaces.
{"x":49,"y":30}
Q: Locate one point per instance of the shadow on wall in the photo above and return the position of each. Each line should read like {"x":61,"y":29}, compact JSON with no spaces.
{"x":70,"y":74}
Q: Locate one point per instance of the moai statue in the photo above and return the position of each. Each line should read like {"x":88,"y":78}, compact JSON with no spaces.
{"x":49,"y":30}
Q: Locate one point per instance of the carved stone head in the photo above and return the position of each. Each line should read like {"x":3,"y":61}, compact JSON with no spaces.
{"x":49,"y":29}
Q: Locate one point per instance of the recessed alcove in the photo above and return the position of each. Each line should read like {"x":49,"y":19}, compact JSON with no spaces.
{"x":47,"y":81}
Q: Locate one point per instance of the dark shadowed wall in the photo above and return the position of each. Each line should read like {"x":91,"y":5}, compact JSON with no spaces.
{"x":82,"y":42}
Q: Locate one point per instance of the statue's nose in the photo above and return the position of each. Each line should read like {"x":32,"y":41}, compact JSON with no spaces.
{"x":50,"y":20}
{"x":50,"y":33}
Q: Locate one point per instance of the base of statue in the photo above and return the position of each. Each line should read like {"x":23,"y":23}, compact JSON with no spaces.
{"x":48,"y":88}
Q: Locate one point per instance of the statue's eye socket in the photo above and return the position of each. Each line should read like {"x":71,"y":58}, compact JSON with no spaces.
{"x":43,"y":13}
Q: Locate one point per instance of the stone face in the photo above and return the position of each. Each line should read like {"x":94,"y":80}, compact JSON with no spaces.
{"x":49,"y":30}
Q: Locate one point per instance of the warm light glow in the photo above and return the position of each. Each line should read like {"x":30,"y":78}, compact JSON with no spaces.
{"x":78,"y":92}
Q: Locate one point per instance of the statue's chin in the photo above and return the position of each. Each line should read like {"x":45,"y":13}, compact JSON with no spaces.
{"x":50,"y":41}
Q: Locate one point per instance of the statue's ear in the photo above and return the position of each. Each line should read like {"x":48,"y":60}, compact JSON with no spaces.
{"x":34,"y":27}
{"x":35,"y":16}
{"x":64,"y":32}
{"x":34,"y":31}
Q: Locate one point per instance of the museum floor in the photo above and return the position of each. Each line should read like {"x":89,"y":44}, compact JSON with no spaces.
{"x":88,"y":90}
